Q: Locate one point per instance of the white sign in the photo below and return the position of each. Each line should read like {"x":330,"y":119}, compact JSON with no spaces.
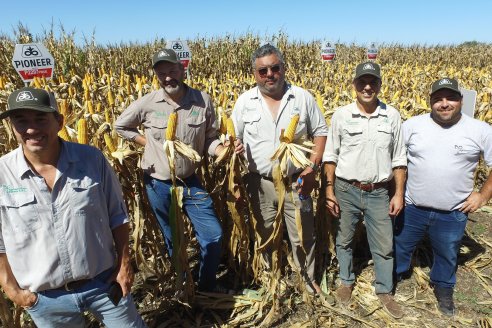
{"x":31,"y":60}
{"x":182,"y":50}
{"x":372,"y":51}
{"x":469,"y":100}
{"x":328,"y":51}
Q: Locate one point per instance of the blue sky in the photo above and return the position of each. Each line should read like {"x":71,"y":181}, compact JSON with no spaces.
{"x":382,"y":21}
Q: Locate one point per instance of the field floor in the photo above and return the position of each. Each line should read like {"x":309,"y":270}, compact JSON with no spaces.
{"x":473,"y":296}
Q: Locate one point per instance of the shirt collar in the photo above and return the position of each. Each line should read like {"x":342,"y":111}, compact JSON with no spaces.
{"x":287,"y":94}
{"x":190,"y":96}
{"x":380,"y":110}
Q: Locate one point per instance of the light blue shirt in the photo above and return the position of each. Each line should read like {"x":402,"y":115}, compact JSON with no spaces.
{"x":51,"y":238}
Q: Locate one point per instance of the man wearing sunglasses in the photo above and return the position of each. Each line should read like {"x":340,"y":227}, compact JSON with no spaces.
{"x":364,"y":153}
{"x":259,"y":116}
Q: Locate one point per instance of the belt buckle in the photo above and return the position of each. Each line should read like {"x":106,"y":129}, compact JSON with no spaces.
{"x":67,"y":287}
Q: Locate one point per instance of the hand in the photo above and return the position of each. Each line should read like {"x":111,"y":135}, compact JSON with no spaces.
{"x":124,"y":276}
{"x":308,"y":177}
{"x":473,"y":202}
{"x":396,"y":205}
{"x":239,"y":147}
{"x":332,"y":204}
{"x":25,"y":298}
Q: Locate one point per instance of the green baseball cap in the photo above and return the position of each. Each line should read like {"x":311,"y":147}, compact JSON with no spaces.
{"x":368,"y":68}
{"x":445,"y":83}
{"x":30,"y":98}
{"x":167,"y":55}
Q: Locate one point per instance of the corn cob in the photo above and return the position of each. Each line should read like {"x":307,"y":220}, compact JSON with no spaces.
{"x":171,"y":126}
{"x":82,"y":131}
{"x":291,"y":129}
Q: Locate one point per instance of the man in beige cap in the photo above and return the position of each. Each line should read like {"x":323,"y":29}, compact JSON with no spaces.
{"x":364,"y":153}
{"x":196,"y":126}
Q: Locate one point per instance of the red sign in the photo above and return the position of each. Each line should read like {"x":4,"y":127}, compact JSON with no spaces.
{"x":29,"y":74}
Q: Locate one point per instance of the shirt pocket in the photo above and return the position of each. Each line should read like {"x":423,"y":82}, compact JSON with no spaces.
{"x":196,"y":128}
{"x":251,"y":121}
{"x":383,"y":136}
{"x":86,"y":197}
{"x":22,"y":213}
{"x":351,"y":136}
{"x":158,"y":128}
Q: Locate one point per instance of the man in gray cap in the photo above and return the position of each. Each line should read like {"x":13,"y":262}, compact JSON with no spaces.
{"x":196,"y":126}
{"x":444,"y":148}
{"x":364,"y":153}
{"x":64,"y":235}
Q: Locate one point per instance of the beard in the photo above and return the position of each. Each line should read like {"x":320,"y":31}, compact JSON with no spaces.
{"x":172,"y":87}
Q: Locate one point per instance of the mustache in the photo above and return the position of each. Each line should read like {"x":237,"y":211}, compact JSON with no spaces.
{"x":172,"y":81}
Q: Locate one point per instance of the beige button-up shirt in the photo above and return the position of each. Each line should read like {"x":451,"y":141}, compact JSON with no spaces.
{"x":260,"y":133}
{"x":365,"y":149}
{"x":196,"y":127}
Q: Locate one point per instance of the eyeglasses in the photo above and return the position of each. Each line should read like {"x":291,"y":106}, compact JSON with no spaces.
{"x":264,"y":70}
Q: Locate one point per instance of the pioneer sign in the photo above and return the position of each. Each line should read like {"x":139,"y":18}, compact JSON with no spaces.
{"x":31,"y":60}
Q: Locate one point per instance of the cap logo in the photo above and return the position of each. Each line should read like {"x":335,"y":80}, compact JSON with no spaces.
{"x":368,"y":66}
{"x":163,"y":53}
{"x":445,"y":81}
{"x":24,"y":96}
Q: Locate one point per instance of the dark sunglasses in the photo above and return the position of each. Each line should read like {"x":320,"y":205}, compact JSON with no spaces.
{"x":264,"y":70}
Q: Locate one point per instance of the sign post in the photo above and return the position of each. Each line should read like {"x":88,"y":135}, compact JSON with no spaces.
{"x":469,"y":100}
{"x":328,"y":51}
{"x":183,"y":52}
{"x":372,"y":51}
{"x":33,"y":60}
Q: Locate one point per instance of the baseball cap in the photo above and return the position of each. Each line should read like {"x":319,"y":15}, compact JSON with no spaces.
{"x":167,"y":55}
{"x":368,"y":68}
{"x":30,"y":98}
{"x":445,"y":83}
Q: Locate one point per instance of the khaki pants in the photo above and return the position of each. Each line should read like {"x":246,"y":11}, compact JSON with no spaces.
{"x":264,"y":201}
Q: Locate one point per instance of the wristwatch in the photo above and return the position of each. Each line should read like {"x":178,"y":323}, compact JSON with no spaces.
{"x":315,"y":167}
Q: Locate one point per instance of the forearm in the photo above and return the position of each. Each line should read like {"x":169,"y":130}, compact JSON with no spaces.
{"x":329,"y":168}
{"x":399,"y":175}
{"x":122,"y":244}
{"x":10,"y":286}
{"x":319,"y":147}
{"x":486,"y":190}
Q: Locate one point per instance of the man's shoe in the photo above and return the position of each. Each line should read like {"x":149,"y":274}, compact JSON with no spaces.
{"x":444,"y":300}
{"x":389,"y":304}
{"x":344,"y":293}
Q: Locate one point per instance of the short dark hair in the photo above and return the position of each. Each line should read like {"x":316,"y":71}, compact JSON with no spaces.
{"x":266,"y":50}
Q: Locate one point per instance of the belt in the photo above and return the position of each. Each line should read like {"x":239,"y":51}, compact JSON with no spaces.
{"x":366,"y":186}
{"x":72,"y":285}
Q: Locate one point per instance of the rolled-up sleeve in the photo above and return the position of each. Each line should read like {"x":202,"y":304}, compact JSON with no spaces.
{"x":332,"y":146}
{"x":399,"y":154}
{"x":317,"y":122}
{"x":127,"y":123}
{"x":237,"y":117}
{"x":211,"y":140}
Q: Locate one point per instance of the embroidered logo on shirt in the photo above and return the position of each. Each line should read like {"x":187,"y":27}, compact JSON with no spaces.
{"x":194,"y":112}
{"x":12,"y":190}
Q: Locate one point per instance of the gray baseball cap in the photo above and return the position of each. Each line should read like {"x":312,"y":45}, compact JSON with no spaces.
{"x":445,"y":83}
{"x":167,"y":55}
{"x":30,"y":98}
{"x":368,"y":68}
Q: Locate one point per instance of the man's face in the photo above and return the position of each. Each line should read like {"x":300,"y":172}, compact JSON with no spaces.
{"x":367,"y":88}
{"x":170,"y":77}
{"x":36,"y":131}
{"x":446,"y":106}
{"x":269,"y":75}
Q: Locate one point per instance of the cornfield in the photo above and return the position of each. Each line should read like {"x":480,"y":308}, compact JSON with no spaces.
{"x":94,"y":84}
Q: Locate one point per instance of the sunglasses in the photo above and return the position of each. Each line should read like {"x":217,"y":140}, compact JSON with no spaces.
{"x":264,"y":70}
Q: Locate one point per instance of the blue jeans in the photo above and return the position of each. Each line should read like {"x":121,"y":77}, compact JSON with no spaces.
{"x":445,"y":230}
{"x":60,"y":308}
{"x":374,"y":207}
{"x":198,"y":206}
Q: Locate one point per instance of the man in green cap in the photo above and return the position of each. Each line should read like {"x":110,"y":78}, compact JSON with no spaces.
{"x":64,"y":235}
{"x":444,"y":148}
{"x":364,"y":153}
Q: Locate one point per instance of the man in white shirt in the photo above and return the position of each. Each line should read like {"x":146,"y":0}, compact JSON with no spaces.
{"x":443,"y":149}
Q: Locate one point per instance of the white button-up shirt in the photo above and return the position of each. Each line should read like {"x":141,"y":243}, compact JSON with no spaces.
{"x":260,"y":133}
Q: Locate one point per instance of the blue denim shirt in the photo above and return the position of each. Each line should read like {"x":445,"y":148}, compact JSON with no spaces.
{"x":51,"y":238}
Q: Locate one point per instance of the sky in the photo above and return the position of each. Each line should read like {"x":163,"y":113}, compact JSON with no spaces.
{"x":424,"y":22}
